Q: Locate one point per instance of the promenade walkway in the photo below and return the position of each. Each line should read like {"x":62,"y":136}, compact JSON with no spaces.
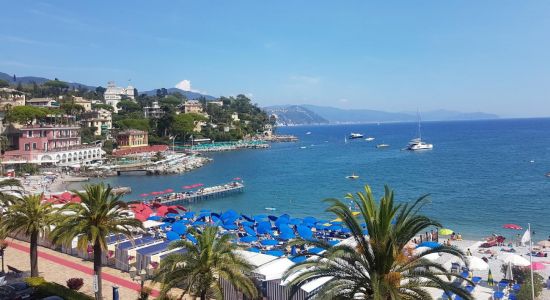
{"x":59,"y":267}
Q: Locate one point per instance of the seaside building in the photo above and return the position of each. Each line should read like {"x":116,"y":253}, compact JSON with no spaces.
{"x":113,"y":94}
{"x":235,"y":117}
{"x":52,"y":144}
{"x":11,"y":97}
{"x":132,"y":138}
{"x":192,"y":106}
{"x":154,"y":111}
{"x":100,"y":119}
{"x":87,"y":104}
{"x":216,"y":102}
{"x":42,"y":102}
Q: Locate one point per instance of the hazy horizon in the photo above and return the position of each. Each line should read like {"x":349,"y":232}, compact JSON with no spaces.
{"x":401,"y":56}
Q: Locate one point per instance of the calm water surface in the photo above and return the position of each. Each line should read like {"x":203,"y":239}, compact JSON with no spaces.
{"x":480,"y":174}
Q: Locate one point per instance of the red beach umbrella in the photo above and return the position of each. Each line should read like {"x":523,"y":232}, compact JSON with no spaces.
{"x":141,"y":217}
{"x":162,"y":210}
{"x":537,"y":266}
{"x":155,"y":205}
{"x":173,"y":209}
{"x":75,"y":199}
{"x":168,"y":190}
{"x":66,"y":196}
{"x":144,"y":195}
{"x":187,"y":187}
{"x":512,"y":226}
{"x":180,"y":207}
{"x":237,"y":178}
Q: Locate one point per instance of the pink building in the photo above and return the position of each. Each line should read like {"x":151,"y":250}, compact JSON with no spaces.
{"x":55,"y":144}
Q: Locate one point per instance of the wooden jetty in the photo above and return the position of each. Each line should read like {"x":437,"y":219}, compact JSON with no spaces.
{"x":206,"y":193}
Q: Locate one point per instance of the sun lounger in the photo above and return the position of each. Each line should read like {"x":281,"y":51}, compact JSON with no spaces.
{"x":14,"y":271}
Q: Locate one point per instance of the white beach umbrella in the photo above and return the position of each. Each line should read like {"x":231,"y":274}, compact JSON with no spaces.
{"x":545,"y":244}
{"x":509,"y":274}
{"x":514,"y":259}
{"x":420,"y":250}
{"x":476,"y":264}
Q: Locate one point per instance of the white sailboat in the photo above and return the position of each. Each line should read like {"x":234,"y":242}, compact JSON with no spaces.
{"x":417,"y":144}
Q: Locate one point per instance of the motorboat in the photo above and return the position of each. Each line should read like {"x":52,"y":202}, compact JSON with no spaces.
{"x":417,"y":144}
{"x":382,"y":145}
{"x":355,"y":136}
{"x":270,"y":208}
{"x":308,"y":133}
{"x":303,"y":147}
{"x":369,"y":139}
{"x":353,"y":176}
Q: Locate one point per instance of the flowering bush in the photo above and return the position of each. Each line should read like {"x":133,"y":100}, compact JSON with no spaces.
{"x":75,"y":283}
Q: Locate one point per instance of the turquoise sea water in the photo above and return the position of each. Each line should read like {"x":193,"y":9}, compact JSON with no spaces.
{"x":479,"y":175}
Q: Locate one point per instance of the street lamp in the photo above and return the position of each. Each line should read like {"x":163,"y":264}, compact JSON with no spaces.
{"x":141,"y":277}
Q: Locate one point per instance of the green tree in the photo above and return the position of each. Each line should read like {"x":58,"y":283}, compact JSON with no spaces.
{"x":29,"y":216}
{"x":378,"y":267}
{"x":4,"y":83}
{"x":25,"y":114}
{"x":129,"y":106}
{"x":102,"y":106}
{"x":183,"y":124}
{"x":100,"y":214}
{"x":56,"y":87}
{"x":170,"y":100}
{"x":197,"y":270}
{"x":141,"y":124}
{"x":72,"y":108}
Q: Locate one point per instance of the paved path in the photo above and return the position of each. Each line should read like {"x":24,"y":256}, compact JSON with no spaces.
{"x":81,"y":268}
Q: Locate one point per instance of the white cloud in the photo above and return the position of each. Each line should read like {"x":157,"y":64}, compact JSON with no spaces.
{"x":186,"y":86}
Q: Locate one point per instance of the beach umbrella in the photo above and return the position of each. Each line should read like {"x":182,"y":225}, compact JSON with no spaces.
{"x":237,"y":178}
{"x":179,"y":228}
{"x":335,"y":227}
{"x":144,"y":195}
{"x":429,"y":245}
{"x":490,"y":280}
{"x":168,"y":190}
{"x":545,"y":244}
{"x":249,"y":230}
{"x":141,"y":217}
{"x":514,"y":259}
{"x":253,"y":249}
{"x":509,"y":275}
{"x":286,"y":234}
{"x":512,"y":226}
{"x":264,"y":227}
{"x":259,"y":217}
{"x":172,"y":236}
{"x":199,"y":223}
{"x":249,"y":239}
{"x":315,"y":250}
{"x":277,"y":253}
{"x":537,"y":266}
{"x":498,"y":295}
{"x":476,"y":264}
{"x":310,"y":220}
{"x":187,"y":187}
{"x":229,"y":226}
{"x":445,"y":231}
{"x":298,"y":259}
{"x":191,"y":238}
{"x":269,"y":242}
{"x":154,"y":218}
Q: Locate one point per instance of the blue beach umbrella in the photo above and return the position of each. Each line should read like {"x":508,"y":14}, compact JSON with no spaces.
{"x":346,"y":230}
{"x":169,"y":220}
{"x":253,"y":249}
{"x":295,"y":221}
{"x":249,"y":219}
{"x":298,"y":259}
{"x":293,"y":250}
{"x":172,"y":215}
{"x":189,"y":215}
{"x":249,"y":239}
{"x":258,"y":218}
{"x":264,"y":227}
{"x":365,"y":232}
{"x":191,"y":238}
{"x":305,"y":232}
{"x":249,"y":230}
{"x":315,"y":250}
{"x":154,"y":218}
{"x":498,"y":295}
{"x":269,"y":242}
{"x":229,"y":226}
{"x":287,"y":234}
{"x":172,"y":236}
{"x":310,"y":220}
{"x":198,"y":223}
{"x":429,"y":245}
{"x":247,"y":223}
{"x":179,"y":228}
{"x":320,"y":226}
{"x":277,"y":253}
{"x":272,"y":218}
{"x":333,"y":242}
{"x":334,"y":227}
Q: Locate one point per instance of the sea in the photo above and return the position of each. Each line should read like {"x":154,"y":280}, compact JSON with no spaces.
{"x":479,"y":175}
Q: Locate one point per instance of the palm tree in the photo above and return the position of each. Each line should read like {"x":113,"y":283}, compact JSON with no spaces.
{"x":377,"y":267}
{"x":28,"y":215}
{"x":197,"y":270}
{"x":99,"y":214}
{"x":9,"y":189}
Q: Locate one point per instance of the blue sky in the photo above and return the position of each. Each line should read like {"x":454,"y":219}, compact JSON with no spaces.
{"x":490,"y":56}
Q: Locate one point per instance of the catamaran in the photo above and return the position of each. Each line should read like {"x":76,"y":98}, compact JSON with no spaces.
{"x":417,"y":144}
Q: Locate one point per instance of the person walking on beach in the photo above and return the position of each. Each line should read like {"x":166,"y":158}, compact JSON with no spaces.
{"x":468,"y":252}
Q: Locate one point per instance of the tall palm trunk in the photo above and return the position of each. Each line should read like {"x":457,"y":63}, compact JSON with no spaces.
{"x":34,"y":254}
{"x":97,"y":269}
{"x":203,"y":295}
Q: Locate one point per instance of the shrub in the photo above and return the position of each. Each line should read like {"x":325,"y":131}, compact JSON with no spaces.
{"x":75,"y":283}
{"x":43,"y":289}
{"x":525,"y":291}
{"x":35,"y":281}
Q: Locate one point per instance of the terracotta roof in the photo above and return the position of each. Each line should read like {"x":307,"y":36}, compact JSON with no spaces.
{"x":142,"y":149}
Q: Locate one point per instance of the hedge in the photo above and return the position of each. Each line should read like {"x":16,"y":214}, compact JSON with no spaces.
{"x":44,"y":289}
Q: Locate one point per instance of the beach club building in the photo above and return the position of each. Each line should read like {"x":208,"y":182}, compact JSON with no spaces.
{"x":132,"y":138}
{"x":52,"y":144}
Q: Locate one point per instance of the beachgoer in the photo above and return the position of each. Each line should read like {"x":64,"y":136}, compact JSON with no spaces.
{"x":485,"y":259}
{"x":468,"y":252}
{"x":452,"y":236}
{"x":459,"y":237}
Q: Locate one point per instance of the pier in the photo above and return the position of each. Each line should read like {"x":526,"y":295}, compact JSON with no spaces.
{"x":217,"y":191}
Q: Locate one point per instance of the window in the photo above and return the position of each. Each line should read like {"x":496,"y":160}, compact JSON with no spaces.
{"x":27,"y":147}
{"x":30,"y":133}
{"x":33,"y":146}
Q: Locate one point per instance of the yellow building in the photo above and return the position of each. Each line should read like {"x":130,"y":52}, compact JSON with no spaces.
{"x":132,"y":138}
